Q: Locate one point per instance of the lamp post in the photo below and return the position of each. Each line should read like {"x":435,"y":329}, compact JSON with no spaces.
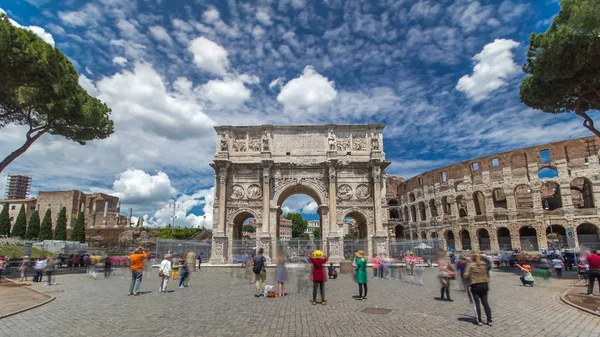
{"x":174,"y":205}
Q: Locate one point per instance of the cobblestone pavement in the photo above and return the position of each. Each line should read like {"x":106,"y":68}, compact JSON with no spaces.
{"x":221,"y":303}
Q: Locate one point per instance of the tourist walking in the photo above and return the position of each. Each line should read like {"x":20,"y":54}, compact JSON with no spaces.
{"x":361,"y":274}
{"x":318,"y":276}
{"x":281,"y":275}
{"x":137,"y":258}
{"x":446,"y":273}
{"x":260,"y":273}
{"x":559,"y":265}
{"x":477,"y":274}
{"x":184,"y":273}
{"x":199,"y":261}
{"x":107,"y":266}
{"x":593,"y":261}
{"x":23,"y":268}
{"x":375,"y":265}
{"x":40,"y":264}
{"x":164,"y":272}
{"x":49,"y":268}
{"x":583,"y":267}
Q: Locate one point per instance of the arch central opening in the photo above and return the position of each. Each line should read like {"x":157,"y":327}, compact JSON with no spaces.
{"x":355,"y":234}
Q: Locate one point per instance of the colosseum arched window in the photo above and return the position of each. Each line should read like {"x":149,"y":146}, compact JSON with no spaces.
{"x":393,"y":203}
{"x":523,"y":197}
{"x":551,"y":199}
{"x":461,"y":203}
{"x":446,"y":206}
{"x":422,"y":212}
{"x":406,"y":215}
{"x":479,"y":201}
{"x":394,"y":215}
{"x":499,"y":198}
{"x":433,"y":208}
{"x":582,"y":193}
{"x":399,"y":232}
{"x":413,"y":213}
{"x":411,"y":197}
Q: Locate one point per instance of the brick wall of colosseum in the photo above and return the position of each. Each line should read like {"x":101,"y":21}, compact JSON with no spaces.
{"x":504,"y":201}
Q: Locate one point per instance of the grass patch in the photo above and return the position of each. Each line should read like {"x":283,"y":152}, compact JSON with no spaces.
{"x":19,"y":251}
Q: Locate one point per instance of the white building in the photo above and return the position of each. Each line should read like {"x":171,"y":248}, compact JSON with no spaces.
{"x":312,"y":225}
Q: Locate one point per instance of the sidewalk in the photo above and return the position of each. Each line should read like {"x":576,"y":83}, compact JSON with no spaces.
{"x":576,"y":296}
{"x":17,"y":297}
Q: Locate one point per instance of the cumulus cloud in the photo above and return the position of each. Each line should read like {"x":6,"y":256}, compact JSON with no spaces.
{"x":88,"y":85}
{"x":310,"y":208}
{"x":39,"y":31}
{"x":211,"y":15}
{"x":263,"y":17}
{"x":142,"y":95}
{"x":138,"y":187}
{"x":209,"y":56}
{"x":119,"y":60}
{"x":276,"y":82}
{"x":225,"y":93}
{"x":310,"y":91}
{"x":184,"y":217}
{"x":494,"y":66}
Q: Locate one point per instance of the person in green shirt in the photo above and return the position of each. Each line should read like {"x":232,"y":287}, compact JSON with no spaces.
{"x":527,"y":278}
{"x":361,"y":274}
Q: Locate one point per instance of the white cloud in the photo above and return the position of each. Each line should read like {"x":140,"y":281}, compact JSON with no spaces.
{"x":119,"y":60}
{"x":138,"y":187}
{"x":185,"y":203}
{"x":263,"y":17}
{"x":39,"y":31}
{"x":211,"y":15}
{"x":310,"y":91}
{"x":128,"y":29}
{"x":494,"y":66}
{"x":225,"y":93}
{"x":310,"y":208}
{"x":73,"y":18}
{"x":141,"y":95}
{"x":209,"y":56}
{"x":88,"y":85}
{"x":276,"y":82}
{"x":160,"y":34}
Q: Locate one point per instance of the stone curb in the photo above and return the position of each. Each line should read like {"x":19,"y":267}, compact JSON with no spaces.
{"x":563,"y":298}
{"x":52,"y":298}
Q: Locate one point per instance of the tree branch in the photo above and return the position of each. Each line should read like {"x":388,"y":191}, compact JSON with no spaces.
{"x":30,"y":140}
{"x":588,"y":121}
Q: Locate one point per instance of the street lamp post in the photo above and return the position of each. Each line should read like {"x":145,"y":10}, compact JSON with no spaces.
{"x":174,"y":205}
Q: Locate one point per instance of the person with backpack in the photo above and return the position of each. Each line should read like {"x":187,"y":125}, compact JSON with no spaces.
{"x":260,"y":273}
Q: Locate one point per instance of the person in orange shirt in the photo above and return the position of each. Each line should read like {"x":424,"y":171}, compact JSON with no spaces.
{"x":137,"y":269}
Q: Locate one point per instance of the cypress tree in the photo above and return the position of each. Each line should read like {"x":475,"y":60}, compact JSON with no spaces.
{"x":46,"y":228}
{"x":78,"y":233}
{"x":20,"y":226}
{"x":60,"y":231}
{"x":33,"y":228}
{"x":4,"y":221}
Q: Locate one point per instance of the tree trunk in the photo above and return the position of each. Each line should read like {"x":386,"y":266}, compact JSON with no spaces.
{"x":15,"y":154}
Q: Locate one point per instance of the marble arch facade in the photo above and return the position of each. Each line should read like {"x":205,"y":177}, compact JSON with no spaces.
{"x":256,"y":168}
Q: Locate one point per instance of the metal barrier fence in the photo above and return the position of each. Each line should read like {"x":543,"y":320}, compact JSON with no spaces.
{"x":353,"y":245}
{"x":426,"y":249}
{"x":182,"y":247}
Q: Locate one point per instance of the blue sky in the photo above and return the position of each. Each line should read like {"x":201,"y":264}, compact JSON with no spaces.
{"x":442,"y":75}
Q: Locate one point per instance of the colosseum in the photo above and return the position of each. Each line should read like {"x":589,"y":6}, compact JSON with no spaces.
{"x":529,"y":199}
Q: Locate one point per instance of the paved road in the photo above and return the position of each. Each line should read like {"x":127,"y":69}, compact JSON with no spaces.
{"x":221,"y":303}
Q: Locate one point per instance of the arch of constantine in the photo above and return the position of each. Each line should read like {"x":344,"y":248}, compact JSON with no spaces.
{"x":342,"y":167}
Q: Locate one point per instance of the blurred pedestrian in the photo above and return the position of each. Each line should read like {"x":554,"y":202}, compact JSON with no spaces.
{"x":40,"y":264}
{"x":559,"y":265}
{"x":260,"y":273}
{"x":49,"y":268}
{"x":446,"y":273}
{"x":2,"y":267}
{"x":281,"y":275}
{"x":477,"y":274}
{"x":23,"y":268}
{"x":318,"y":275}
{"x":375,"y":265}
{"x":107,"y":266}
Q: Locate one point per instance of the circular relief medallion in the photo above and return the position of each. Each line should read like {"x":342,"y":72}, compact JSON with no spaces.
{"x":362,"y":191}
{"x":237,"y":192}
{"x":345,"y":192}
{"x":254,"y":192}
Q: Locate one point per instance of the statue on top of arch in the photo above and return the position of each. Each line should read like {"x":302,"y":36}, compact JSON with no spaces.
{"x":331,"y":140}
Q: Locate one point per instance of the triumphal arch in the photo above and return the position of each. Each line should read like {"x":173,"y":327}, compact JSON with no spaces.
{"x":341,"y":167}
